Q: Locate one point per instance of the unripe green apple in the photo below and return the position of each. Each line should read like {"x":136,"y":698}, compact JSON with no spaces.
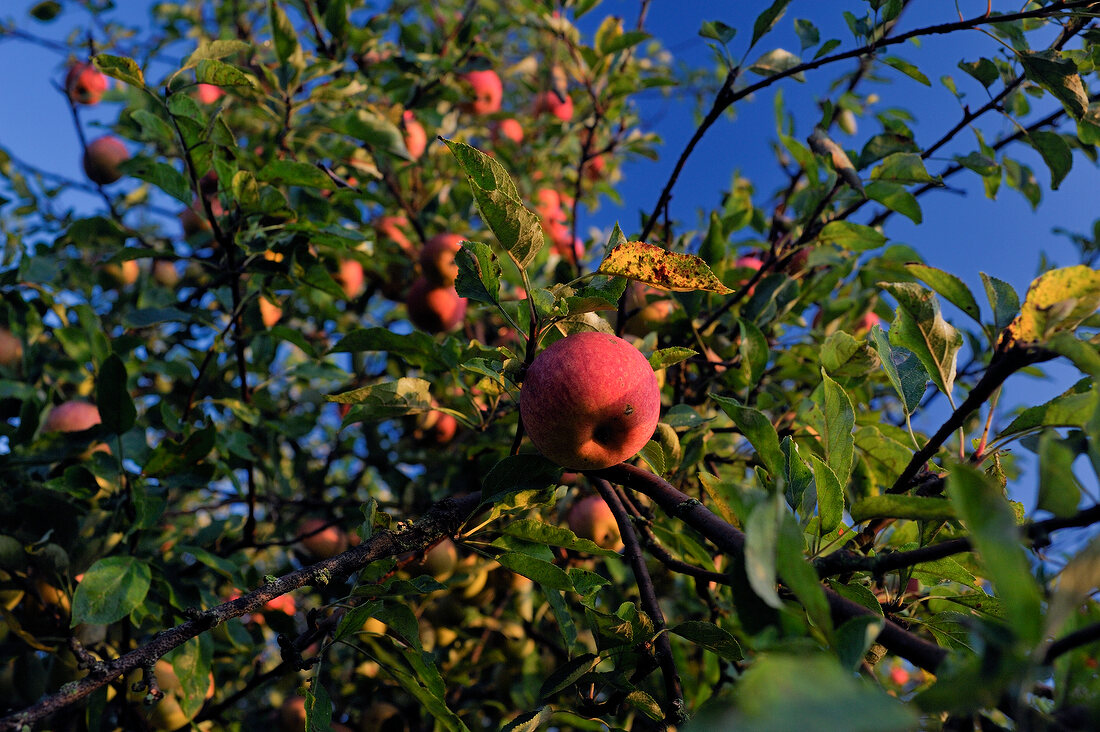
{"x":102,"y":158}
{"x":85,"y":84}
{"x":590,"y":401}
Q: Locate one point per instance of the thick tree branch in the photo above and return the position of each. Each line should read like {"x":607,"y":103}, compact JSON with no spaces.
{"x":914,"y":649}
{"x":443,"y":520}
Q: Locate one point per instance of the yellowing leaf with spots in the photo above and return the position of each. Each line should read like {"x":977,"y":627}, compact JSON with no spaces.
{"x":1056,"y":302}
{"x":661,"y":268}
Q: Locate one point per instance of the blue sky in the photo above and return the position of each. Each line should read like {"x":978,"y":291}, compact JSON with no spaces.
{"x":963,"y":231}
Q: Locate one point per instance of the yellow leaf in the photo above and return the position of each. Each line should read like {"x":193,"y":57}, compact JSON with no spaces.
{"x":661,"y":268}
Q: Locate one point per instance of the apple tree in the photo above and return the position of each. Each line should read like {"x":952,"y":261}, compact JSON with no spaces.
{"x":261,"y":369}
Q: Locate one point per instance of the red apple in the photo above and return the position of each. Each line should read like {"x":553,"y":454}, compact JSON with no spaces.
{"x":435,"y":427}
{"x":85,"y":84}
{"x":71,"y":416}
{"x":390,"y":227}
{"x":270,"y":313}
{"x":591,"y":518}
{"x":748,"y":262}
{"x":488,"y":91}
{"x":165,"y":273}
{"x":102,"y":158}
{"x":209,"y":93}
{"x":559,"y":106}
{"x":440,"y":561}
{"x":590,"y":401}
{"x":321,"y":543}
{"x":509,"y":129}
{"x":437,"y":258}
{"x":11,"y":348}
{"x":868,"y":321}
{"x":434,"y":308}
{"x":351,"y":278}
{"x":123,"y":273}
{"x":416,"y":139}
{"x":652,"y":307}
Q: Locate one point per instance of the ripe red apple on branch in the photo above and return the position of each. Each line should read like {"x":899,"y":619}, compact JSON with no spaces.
{"x":85,"y":84}
{"x":590,"y":401}
{"x":102,"y":158}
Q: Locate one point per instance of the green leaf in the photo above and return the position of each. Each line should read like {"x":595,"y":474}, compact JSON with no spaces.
{"x":530,"y":721}
{"x":904,"y":370}
{"x":775,"y":62}
{"x":1073,"y":408}
{"x":808,"y":35}
{"x":919,"y":326}
{"x":894,"y":197}
{"x":540,"y":533}
{"x":398,"y":398}
{"x":1059,"y":489}
{"x":904,"y":168}
{"x":112,"y":396}
{"x":191,"y":664}
{"x":917,"y":508}
{"x":1058,"y":75}
{"x":45,"y":11}
{"x":1056,"y":302}
{"x":773,"y":695}
{"x":761,"y":549}
{"x":416,"y":348}
{"x":800,"y":576}
{"x":757,"y":430}
{"x":796,"y":475}
{"x":1076,"y":582}
{"x":401,"y":620}
{"x":984,"y":70}
{"x":662,"y":358}
{"x":854,"y":237}
{"x":1056,"y":154}
{"x":294,"y":173}
{"x":373,"y":129}
{"x":516,"y":228}
{"x":949,"y":286}
{"x":767,"y":20}
{"x":979,"y":163}
{"x":985,"y":511}
{"x":215,"y":50}
{"x":212,"y":71}
{"x":855,"y":637}
{"x":718,"y":31}
{"x":711,"y":637}
{"x":121,"y":68}
{"x":661,"y":268}
{"x":840,"y":418}
{"x":1083,"y":354}
{"x":830,"y":495}
{"x":478,"y":273}
{"x":753,"y":350}
{"x":1003,"y":299}
{"x":282,"y":32}
{"x":162,"y":175}
{"x":568,"y":674}
{"x":906,"y":68}
{"x":110,"y":590}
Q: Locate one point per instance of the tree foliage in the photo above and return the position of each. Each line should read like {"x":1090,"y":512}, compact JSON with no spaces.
{"x":307,"y":482}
